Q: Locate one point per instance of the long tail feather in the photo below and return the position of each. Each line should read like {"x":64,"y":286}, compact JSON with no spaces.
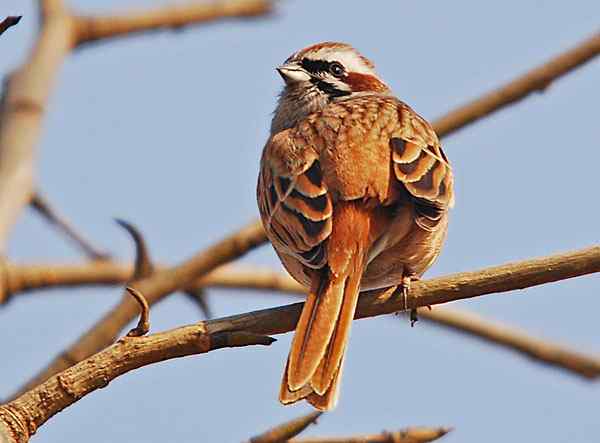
{"x":315,"y":362}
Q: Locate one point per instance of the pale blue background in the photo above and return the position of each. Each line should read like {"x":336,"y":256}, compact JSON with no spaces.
{"x":165,"y":130}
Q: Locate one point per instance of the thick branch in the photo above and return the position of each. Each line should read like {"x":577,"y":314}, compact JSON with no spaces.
{"x":504,"y":278}
{"x":240,"y":277}
{"x":27,"y":413}
{"x":538,"y":79}
{"x":37,"y":405}
{"x":154,"y":288}
{"x":408,"y":435}
{"x":25,"y":96}
{"x":93,"y":29}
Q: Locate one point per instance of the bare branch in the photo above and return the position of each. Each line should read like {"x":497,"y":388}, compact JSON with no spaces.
{"x":287,"y":430}
{"x":9,"y":22}
{"x":504,"y":278}
{"x":93,"y":29}
{"x":26,"y":414}
{"x":40,"y":204}
{"x":26,"y":93}
{"x":536,"y":80}
{"x":154,"y":288}
{"x":514,"y":339}
{"x":252,"y":278}
{"x":408,"y":435}
{"x":143,"y":325}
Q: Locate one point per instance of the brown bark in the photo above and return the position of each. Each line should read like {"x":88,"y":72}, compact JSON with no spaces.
{"x":154,"y":288}
{"x":94,"y":29}
{"x":24,"y":415}
{"x":283,"y":432}
{"x":409,"y":435}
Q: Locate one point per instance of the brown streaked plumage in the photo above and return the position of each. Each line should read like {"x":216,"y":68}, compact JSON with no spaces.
{"x":354,"y":191}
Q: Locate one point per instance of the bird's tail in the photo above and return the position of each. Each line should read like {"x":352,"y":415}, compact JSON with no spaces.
{"x":314,"y":365}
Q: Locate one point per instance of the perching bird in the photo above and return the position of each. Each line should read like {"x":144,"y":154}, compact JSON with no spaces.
{"x":354,"y":191}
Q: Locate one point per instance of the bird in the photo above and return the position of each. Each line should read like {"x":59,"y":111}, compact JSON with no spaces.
{"x":353,"y":192}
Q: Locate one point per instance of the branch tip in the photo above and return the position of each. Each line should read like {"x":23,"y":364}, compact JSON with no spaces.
{"x":285,"y":431}
{"x":143,"y":325}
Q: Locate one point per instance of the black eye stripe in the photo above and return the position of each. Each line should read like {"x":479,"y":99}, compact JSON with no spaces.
{"x":315,"y":66}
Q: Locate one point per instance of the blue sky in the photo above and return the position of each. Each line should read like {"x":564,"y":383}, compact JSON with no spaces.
{"x":165,"y":130}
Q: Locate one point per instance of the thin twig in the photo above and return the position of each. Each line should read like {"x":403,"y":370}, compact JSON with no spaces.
{"x":36,"y":406}
{"x":287,"y":430}
{"x":143,"y":325}
{"x":41,"y":205}
{"x":408,"y":435}
{"x":9,"y":22}
{"x":94,"y":29}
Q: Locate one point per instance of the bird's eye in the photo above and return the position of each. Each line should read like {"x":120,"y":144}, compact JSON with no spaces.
{"x":336,"y":69}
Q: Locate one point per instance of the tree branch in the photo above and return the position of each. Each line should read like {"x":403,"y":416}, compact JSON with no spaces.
{"x":94,"y":29}
{"x":536,"y":80}
{"x":282,"y":433}
{"x":511,"y":338}
{"x":25,"y":96}
{"x":37,"y":405}
{"x":43,"y":207}
{"x":252,"y":278}
{"x":408,"y":435}
{"x":20,"y":418}
{"x":154,"y":288}
{"x":504,"y":278}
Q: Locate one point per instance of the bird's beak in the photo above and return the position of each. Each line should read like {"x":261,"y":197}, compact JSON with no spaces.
{"x":292,"y":73}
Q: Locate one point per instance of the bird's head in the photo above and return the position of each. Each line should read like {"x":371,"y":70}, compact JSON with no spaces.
{"x":330,"y":70}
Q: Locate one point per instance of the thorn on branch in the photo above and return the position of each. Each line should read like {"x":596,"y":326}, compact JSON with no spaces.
{"x":287,"y":430}
{"x":199,"y":298}
{"x":143,"y":325}
{"x":143,"y":263}
{"x":9,"y":22}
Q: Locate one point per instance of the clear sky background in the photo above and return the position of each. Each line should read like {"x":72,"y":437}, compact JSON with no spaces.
{"x":165,"y":130}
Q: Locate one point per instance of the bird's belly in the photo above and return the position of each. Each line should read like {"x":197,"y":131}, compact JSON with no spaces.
{"x":412,"y":255}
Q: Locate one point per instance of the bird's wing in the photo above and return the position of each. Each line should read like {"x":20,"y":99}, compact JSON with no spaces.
{"x":293,"y":199}
{"x":422,"y":167}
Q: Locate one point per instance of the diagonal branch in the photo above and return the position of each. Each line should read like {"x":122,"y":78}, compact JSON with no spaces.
{"x":23,"y":277}
{"x":408,"y":435}
{"x":94,"y":29}
{"x":283,"y":432}
{"x":40,"y":403}
{"x":41,"y":205}
{"x":504,"y":278}
{"x":154,"y":288}
{"x":536,"y":80}
{"x":21,"y":418}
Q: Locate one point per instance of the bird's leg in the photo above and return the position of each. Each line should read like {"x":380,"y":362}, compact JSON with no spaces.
{"x":407,"y":279}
